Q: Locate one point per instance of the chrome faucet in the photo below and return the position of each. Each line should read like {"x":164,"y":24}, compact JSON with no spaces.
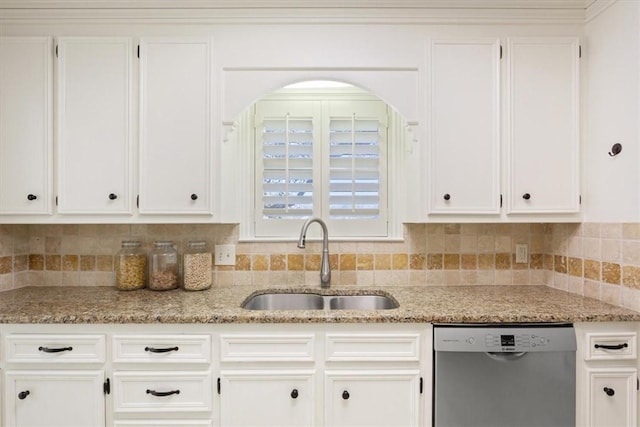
{"x":325,"y":269}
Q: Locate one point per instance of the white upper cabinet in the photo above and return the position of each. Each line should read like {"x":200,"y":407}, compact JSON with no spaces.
{"x":542,"y":149}
{"x":94,"y":125}
{"x":25,"y":125}
{"x":175,"y":126}
{"x":464,"y":164}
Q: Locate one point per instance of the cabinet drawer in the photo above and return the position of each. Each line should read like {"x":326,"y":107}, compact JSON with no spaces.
{"x":373,"y":347}
{"x":162,"y":391}
{"x":264,"y":348}
{"x":610,"y":346}
{"x":162,"y":349}
{"x":46,"y":348}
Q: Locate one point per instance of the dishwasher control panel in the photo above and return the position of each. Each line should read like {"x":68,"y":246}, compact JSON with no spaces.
{"x":514,"y":339}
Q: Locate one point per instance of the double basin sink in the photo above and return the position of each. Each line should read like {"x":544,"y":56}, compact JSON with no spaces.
{"x":310,"y":301}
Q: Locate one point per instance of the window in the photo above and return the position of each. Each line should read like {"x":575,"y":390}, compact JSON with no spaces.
{"x":321,"y":154}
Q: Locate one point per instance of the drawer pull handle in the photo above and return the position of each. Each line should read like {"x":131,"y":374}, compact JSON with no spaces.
{"x":609,"y":391}
{"x":294,"y":393}
{"x":612,"y":347}
{"x":160,"y":350}
{"x":162,"y":393}
{"x":54,"y":350}
{"x":31,"y":197}
{"x":23,"y":394}
{"x":345,"y":395}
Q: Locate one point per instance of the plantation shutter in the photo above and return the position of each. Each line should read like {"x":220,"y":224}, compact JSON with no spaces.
{"x":287,"y":158}
{"x":323,"y":158}
{"x":355,"y":202}
{"x":354,"y":168}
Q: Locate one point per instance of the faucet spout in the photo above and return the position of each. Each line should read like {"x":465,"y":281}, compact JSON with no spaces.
{"x":325,"y":268}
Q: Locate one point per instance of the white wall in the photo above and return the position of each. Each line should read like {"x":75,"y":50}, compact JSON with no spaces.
{"x":612,"y":184}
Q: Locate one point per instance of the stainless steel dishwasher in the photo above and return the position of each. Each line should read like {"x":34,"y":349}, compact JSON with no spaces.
{"x":504,"y":375}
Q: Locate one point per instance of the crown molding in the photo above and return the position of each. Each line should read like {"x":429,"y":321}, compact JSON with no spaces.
{"x":596,"y":7}
{"x":295,"y":4}
{"x":353,"y":15}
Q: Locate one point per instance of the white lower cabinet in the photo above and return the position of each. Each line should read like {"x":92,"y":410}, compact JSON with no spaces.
{"x":612,"y":397}
{"x":325,"y":375}
{"x":162,"y":379}
{"x":372,"y":398}
{"x":49,"y":398}
{"x":607,"y":374}
{"x":53,"y":379}
{"x":266,"y":375}
{"x":267,"y":398}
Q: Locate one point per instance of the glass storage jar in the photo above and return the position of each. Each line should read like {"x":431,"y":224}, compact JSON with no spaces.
{"x":196,"y":266}
{"x":131,"y":266}
{"x":163,"y":266}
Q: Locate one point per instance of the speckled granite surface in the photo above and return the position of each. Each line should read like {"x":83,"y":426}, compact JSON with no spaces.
{"x":474,"y":304}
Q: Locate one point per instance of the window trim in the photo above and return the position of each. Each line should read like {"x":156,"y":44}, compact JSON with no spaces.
{"x":399,"y":145}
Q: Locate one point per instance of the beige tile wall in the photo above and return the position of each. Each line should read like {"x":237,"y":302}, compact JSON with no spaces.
{"x":14,"y":256}
{"x":54,"y":255}
{"x":597,"y":260}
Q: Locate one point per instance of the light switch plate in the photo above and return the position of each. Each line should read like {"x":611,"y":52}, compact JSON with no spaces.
{"x":225,"y":254}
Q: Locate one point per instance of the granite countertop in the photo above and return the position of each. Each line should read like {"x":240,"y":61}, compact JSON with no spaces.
{"x":419,"y":304}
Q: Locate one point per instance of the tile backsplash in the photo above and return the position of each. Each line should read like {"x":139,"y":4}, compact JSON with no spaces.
{"x":597,"y":260}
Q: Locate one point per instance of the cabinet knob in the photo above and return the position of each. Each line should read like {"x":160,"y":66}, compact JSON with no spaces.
{"x":447,"y":196}
{"x":113,"y":196}
{"x":609,"y":391}
{"x":23,"y":394}
{"x":294,"y":393}
{"x":31,"y":197}
{"x":345,"y":395}
{"x":526,"y":196}
{"x":194,"y":196}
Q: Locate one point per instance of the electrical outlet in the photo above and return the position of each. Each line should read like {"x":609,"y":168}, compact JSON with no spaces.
{"x":522,"y":253}
{"x":225,"y":254}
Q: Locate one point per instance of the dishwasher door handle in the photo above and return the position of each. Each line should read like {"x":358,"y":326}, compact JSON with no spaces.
{"x":505,"y":356}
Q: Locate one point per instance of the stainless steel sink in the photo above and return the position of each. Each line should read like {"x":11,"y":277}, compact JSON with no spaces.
{"x":285,"y":302}
{"x":362,"y":302}
{"x":308,"y":301}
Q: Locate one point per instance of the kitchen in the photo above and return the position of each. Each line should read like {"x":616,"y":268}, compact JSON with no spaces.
{"x":592,"y":250}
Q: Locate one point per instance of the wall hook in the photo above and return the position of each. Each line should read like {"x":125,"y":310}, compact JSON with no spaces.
{"x":615,"y":149}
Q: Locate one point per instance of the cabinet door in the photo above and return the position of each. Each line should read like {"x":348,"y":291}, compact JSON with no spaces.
{"x":94,"y":91}
{"x":267,"y":398}
{"x":25,"y":125}
{"x":612,"y":397}
{"x":175,"y":138}
{"x":465,"y":135}
{"x":543,"y":125}
{"x":372,"y":398}
{"x":54,"y":398}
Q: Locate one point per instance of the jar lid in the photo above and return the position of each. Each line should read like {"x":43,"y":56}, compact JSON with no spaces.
{"x":197,"y":244}
{"x":131,"y":243}
{"x":162,"y":243}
